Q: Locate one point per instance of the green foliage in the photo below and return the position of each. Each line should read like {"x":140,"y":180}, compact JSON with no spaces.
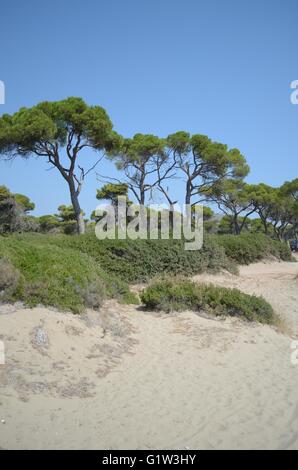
{"x":140,"y":260}
{"x":232,"y":197}
{"x":31,"y":129}
{"x":57,"y":275}
{"x":290,"y":188}
{"x":66,"y":219}
{"x":207,"y":213}
{"x":249,"y":248}
{"x":14,"y":209}
{"x":177,"y":295}
{"x":49,"y":129}
{"x":141,"y":148}
{"x":214,"y":156}
{"x":202,"y":160}
{"x":277,"y":208}
{"x":9,"y":277}
{"x":73,"y":272}
{"x":65,"y":214}
{"x":4,"y":194}
{"x":7,"y":209}
{"x":111,"y":192}
{"x":24,"y":202}
{"x":141,"y":159}
{"x":210,"y":222}
{"x":48,"y":223}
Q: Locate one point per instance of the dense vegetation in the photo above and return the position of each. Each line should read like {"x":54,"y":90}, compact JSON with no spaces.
{"x":248,"y":248}
{"x":177,"y":295}
{"x":140,"y":260}
{"x":43,"y":262}
{"x":39,"y":272}
{"x":71,"y":272}
{"x":208,"y":171}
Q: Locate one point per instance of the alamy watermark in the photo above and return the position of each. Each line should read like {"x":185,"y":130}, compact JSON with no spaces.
{"x":125,"y":220}
{"x":294,"y":94}
{"x":2,"y":92}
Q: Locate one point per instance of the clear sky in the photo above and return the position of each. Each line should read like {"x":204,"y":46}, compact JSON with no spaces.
{"x":216,"y":67}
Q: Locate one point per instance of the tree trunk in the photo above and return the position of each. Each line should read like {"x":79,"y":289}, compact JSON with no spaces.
{"x":142,"y":198}
{"x":77,"y":209}
{"x":236,"y":225}
{"x":171,"y":215}
{"x":264,"y":222}
{"x":188,"y":192}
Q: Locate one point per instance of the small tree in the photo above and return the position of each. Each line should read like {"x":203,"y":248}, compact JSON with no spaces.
{"x":48,"y":223}
{"x":59,"y":131}
{"x":204,"y":163}
{"x":284,"y":215}
{"x":14,"y":209}
{"x":233,"y":199}
{"x":67,"y":219}
{"x":111,"y":192}
{"x":290,"y":189}
{"x":7,"y":207}
{"x":263,"y":198}
{"x":141,"y":159}
{"x":24,"y":202}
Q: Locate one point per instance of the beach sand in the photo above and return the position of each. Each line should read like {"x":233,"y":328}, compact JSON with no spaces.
{"x":128,"y":379}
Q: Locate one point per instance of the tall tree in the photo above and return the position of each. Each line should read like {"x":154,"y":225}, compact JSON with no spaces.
{"x":58,"y":131}
{"x":290,"y":188}
{"x":204,"y":163}
{"x":284,"y":211}
{"x":233,"y":199}
{"x":281,"y":215}
{"x":143,"y":161}
{"x":263,"y":198}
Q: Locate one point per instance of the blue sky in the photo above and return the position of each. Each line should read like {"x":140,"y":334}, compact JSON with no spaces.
{"x":216,"y":67}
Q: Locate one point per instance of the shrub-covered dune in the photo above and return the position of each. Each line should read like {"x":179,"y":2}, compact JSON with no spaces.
{"x":37,"y":272}
{"x":177,"y":295}
{"x":75,"y":272}
{"x":249,"y":248}
{"x":141,"y":260}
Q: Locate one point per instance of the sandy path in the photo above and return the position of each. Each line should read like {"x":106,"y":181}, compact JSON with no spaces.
{"x":129,"y":379}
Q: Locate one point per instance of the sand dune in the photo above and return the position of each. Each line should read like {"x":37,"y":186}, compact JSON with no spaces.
{"x":125,"y":378}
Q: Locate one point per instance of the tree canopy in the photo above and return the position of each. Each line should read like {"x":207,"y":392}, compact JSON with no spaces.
{"x":54,"y":130}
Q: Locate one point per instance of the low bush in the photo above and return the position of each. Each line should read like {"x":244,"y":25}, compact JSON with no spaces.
{"x":140,"y":260}
{"x":60,"y":277}
{"x":73,"y":272}
{"x":248,"y":248}
{"x":177,"y":295}
{"x":9,"y":276}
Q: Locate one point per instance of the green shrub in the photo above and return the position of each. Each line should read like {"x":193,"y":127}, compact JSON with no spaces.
{"x":178,"y":295}
{"x":248,"y":248}
{"x":61,"y":277}
{"x":73,"y":272}
{"x":9,"y":277}
{"x":140,"y":260}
